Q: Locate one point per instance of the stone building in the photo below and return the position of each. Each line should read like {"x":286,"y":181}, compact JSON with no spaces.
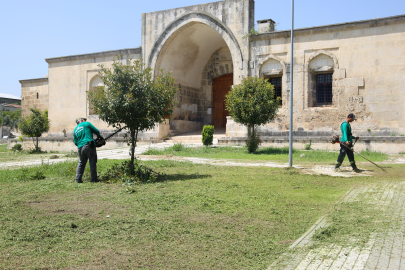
{"x":354,"y":67}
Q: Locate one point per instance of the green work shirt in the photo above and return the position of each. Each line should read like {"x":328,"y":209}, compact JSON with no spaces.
{"x":346,"y":132}
{"x":83,"y":133}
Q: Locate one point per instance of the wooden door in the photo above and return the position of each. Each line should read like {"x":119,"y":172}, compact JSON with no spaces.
{"x":221,"y":87}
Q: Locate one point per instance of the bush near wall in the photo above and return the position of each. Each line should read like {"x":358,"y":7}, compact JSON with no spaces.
{"x":207,"y":135}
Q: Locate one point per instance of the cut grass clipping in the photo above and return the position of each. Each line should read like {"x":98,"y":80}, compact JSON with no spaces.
{"x":201,"y":217}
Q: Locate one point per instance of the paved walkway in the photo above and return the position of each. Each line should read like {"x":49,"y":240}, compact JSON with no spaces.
{"x":123,"y":153}
{"x":384,"y":250}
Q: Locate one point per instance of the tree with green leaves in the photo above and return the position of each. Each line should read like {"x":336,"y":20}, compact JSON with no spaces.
{"x":34,"y":125}
{"x":252,"y":103}
{"x":133,"y":99}
{"x":11,"y":118}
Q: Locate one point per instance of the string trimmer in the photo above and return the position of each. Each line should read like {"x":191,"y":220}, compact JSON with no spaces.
{"x":335,"y":139}
{"x":101,"y":141}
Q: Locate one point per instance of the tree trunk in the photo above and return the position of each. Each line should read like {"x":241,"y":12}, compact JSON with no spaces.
{"x":37,"y":147}
{"x":134,"y":137}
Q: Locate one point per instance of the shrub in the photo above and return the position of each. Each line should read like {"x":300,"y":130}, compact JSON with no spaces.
{"x":208,"y":135}
{"x":17,"y":147}
{"x":308,"y":146}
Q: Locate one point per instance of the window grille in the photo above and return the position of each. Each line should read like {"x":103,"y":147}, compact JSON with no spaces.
{"x":276,"y":82}
{"x":324,"y":89}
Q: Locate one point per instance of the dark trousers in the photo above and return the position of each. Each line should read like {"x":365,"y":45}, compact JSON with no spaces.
{"x":87,"y":152}
{"x":344,"y":150}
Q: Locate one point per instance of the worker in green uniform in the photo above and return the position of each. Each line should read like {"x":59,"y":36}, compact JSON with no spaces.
{"x":346,"y":142}
{"x":83,"y":139}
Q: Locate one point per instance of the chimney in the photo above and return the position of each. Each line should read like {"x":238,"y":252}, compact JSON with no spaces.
{"x":265,"y":26}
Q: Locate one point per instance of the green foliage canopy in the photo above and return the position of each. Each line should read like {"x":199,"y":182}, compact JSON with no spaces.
{"x":34,"y":125}
{"x":10,"y":118}
{"x":252,"y":102}
{"x":132,"y":98}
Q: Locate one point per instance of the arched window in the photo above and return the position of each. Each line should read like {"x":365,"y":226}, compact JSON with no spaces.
{"x":96,"y":81}
{"x":273,"y":71}
{"x":321,"y":70}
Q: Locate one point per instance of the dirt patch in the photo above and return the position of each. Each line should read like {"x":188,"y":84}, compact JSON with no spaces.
{"x":87,"y":205}
{"x":330,"y":170}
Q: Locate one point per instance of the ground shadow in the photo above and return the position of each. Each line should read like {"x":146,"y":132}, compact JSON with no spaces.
{"x":184,"y":177}
{"x":272,"y":151}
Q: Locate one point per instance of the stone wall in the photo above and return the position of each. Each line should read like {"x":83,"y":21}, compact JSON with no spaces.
{"x":387,"y":145}
{"x":188,"y":104}
{"x":69,"y":80}
{"x":34,"y":94}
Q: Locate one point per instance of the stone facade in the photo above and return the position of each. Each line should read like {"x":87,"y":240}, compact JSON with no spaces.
{"x":360,"y":66}
{"x":34,"y":94}
{"x":366,"y":59}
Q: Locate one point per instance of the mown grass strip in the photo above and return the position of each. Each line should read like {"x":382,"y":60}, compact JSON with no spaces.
{"x":267,"y":153}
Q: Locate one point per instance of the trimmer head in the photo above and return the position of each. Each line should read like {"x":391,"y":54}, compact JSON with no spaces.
{"x":335,"y":139}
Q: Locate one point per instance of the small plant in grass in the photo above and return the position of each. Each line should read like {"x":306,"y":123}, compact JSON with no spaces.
{"x":37,"y":175}
{"x":178,"y":147}
{"x":17,"y":148}
{"x":121,"y":172}
{"x":54,"y":157}
{"x":207,"y":135}
{"x":72,"y":154}
{"x":36,"y":151}
{"x":308,"y":146}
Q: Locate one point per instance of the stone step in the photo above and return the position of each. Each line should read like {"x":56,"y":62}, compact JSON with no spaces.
{"x":183,"y":141}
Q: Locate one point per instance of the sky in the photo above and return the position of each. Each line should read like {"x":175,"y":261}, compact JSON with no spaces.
{"x":32,"y":30}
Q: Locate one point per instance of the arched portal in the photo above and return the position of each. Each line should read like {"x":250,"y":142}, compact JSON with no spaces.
{"x":196,"y":54}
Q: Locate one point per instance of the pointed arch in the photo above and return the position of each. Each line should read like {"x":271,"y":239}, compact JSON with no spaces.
{"x":320,"y":83}
{"x":192,"y":18}
{"x":264,"y":60}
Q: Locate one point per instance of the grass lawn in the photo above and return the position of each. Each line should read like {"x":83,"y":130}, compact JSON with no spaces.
{"x":202,"y":217}
{"x":11,"y":156}
{"x":267,"y":153}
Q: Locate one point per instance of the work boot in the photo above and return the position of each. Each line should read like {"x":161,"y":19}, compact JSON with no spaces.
{"x":79,"y":181}
{"x":355,"y":169}
{"x":337,"y":167}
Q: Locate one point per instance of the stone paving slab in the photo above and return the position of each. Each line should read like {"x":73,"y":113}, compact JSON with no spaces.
{"x":384,"y":249}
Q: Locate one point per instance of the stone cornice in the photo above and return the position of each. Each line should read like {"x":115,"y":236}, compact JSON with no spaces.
{"x":329,"y":28}
{"x":94,"y":55}
{"x":34,"y":80}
